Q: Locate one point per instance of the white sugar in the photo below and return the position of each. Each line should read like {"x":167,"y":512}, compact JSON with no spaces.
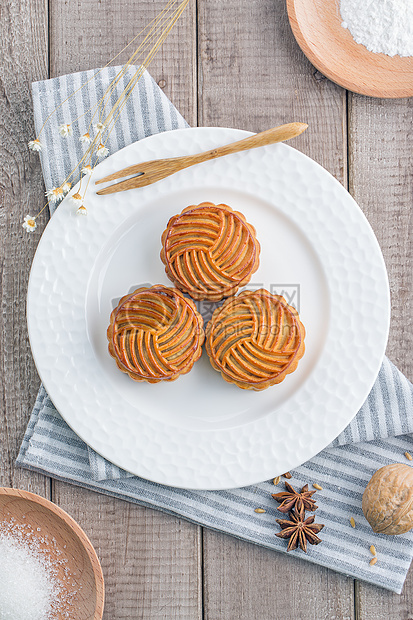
{"x":26,"y":587}
{"x":29,"y":584}
{"x":382,"y":26}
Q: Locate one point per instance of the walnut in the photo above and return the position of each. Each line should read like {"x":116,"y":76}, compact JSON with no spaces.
{"x":388,"y":499}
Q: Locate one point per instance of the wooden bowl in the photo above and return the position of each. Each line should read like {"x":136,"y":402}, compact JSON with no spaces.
{"x":316,"y":25}
{"x":85,"y":587}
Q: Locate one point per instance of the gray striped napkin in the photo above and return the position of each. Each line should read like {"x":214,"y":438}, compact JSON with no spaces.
{"x":378,"y":435}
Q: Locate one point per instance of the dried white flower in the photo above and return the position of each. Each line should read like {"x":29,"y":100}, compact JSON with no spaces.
{"x":35,"y":145}
{"x":85,"y":139}
{"x":99,"y":127}
{"x":55,"y":194}
{"x":66,"y":188}
{"x":76,"y":198}
{"x":65,"y":130}
{"x":82,"y":210}
{"x":29,"y":223}
{"x":102,"y":151}
{"x":87,"y":170}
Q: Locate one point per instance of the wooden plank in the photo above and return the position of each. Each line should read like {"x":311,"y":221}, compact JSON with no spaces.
{"x":96,"y":32}
{"x":380,"y":604}
{"x":245,"y":581}
{"x":254,"y":76}
{"x":151,"y":561}
{"x":23,"y":50}
{"x":381,"y":180}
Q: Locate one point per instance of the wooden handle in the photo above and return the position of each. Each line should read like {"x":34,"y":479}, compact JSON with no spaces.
{"x":270,"y":136}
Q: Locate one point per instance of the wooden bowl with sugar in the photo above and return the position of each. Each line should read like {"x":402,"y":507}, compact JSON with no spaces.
{"x":46,"y":529}
{"x":316,"y":25}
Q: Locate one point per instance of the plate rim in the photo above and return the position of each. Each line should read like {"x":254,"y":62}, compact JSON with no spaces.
{"x":237,"y":134}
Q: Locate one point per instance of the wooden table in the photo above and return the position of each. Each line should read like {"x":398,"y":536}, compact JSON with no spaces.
{"x":230,"y":63}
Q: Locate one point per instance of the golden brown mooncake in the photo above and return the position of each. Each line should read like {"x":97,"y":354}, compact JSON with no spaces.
{"x":155,"y":334}
{"x":255,"y":339}
{"x":209,"y":251}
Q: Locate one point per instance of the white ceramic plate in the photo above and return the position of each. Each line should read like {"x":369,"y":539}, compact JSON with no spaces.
{"x":200,"y":432}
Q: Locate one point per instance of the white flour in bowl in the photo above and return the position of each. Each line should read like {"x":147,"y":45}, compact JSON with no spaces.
{"x":382,"y":26}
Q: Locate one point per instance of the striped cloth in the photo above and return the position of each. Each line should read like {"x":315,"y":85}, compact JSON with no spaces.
{"x":379,"y":434}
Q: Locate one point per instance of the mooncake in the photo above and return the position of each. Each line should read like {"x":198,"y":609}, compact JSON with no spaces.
{"x":255,"y":339}
{"x":155,"y":334}
{"x":209,"y":251}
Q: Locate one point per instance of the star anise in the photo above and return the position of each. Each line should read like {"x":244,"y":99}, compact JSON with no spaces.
{"x":291,"y":498}
{"x":299,"y":531}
